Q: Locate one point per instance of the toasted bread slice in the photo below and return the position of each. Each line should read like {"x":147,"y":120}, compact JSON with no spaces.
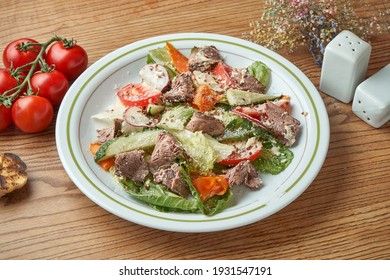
{"x":13,"y":174}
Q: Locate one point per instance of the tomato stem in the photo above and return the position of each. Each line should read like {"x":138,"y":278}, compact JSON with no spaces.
{"x":68,"y":44}
{"x":7,"y":99}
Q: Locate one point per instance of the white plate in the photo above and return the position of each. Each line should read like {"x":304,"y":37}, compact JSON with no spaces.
{"x":96,"y":87}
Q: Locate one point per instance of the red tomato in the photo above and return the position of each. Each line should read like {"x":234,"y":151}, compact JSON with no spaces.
{"x":5,"y":117}
{"x":205,"y":98}
{"x":222,"y":73}
{"x":16,"y":55}
{"x":244,"y":150}
{"x":70,"y":60}
{"x":51,"y":85}
{"x":32,"y":113}
{"x":248,"y":112}
{"x":7,"y":82}
{"x":138,"y":95}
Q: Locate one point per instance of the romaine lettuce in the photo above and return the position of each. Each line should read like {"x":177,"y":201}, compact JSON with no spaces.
{"x":161,"y":56}
{"x":238,"y":128}
{"x":159,"y":197}
{"x":274,"y":157}
{"x":261,"y":72}
{"x":176,"y":118}
{"x":198,"y":148}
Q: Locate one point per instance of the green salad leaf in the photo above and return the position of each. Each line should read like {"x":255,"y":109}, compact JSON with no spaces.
{"x":158,"y":196}
{"x":161,"y":56}
{"x":163,"y":200}
{"x":198,"y":148}
{"x":261,"y":72}
{"x":238,"y":128}
{"x":222,"y":151}
{"x":274,"y":157}
{"x":176,"y":118}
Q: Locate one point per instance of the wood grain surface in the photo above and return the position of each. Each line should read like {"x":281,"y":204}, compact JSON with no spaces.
{"x":344,"y":214}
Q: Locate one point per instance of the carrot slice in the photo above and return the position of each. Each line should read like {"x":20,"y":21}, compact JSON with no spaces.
{"x":179,"y":60}
{"x":106,"y":164}
{"x":94,"y":147}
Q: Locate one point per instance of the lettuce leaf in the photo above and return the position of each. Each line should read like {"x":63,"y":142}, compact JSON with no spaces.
{"x":198,"y":148}
{"x":238,"y":128}
{"x":176,"y":117}
{"x":274,"y":157}
{"x":159,"y":197}
{"x":222,"y":151}
{"x":261,"y":72}
{"x":161,"y":56}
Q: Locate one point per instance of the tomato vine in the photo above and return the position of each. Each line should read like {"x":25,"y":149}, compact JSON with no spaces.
{"x":8,"y":97}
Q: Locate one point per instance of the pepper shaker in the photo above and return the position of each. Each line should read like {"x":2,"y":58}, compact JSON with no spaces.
{"x":344,"y":65}
{"x":372,"y":99}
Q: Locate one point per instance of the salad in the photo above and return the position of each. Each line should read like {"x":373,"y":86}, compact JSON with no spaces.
{"x":193,"y":129}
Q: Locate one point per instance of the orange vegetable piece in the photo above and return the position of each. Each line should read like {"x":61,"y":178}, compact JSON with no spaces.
{"x":179,"y":60}
{"x":106,"y":164}
{"x":94,"y":147}
{"x":205,"y":98}
{"x":208,"y":186}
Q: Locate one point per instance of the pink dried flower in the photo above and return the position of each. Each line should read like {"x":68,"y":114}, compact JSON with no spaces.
{"x":288,"y":24}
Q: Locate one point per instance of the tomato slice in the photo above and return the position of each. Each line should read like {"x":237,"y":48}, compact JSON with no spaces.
{"x":138,"y":95}
{"x":244,"y":150}
{"x":222,"y":73}
{"x":205,"y":98}
{"x":208,"y":186}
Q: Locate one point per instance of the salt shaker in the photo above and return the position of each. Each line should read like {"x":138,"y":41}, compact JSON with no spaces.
{"x":371,"y":102}
{"x":344,"y":65}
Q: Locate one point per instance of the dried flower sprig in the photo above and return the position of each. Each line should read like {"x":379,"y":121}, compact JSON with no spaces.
{"x":288,"y":24}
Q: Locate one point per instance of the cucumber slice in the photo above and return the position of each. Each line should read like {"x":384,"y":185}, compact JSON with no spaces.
{"x":153,"y":109}
{"x":139,"y":140}
{"x":237,"y":97}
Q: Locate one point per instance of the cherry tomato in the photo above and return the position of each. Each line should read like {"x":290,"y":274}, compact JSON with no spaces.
{"x":5,"y":117}
{"x":244,"y":150}
{"x":138,"y":95}
{"x":70,"y":61}
{"x":16,"y":55}
{"x":32,"y":113}
{"x":7,"y":82}
{"x":51,"y":85}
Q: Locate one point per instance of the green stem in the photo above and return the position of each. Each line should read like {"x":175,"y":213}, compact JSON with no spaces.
{"x":6,"y":99}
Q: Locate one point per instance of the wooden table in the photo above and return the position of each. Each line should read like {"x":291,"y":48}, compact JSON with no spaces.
{"x":344,"y":214}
